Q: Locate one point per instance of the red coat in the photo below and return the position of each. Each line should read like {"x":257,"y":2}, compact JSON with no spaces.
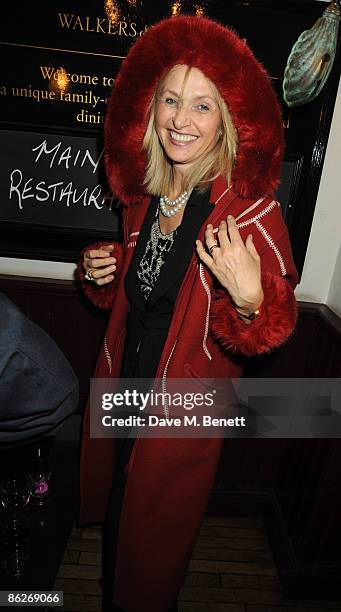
{"x":169,"y":480}
{"x":204,"y":335}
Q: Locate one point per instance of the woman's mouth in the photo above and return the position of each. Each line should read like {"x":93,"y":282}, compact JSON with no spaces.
{"x":181,"y":139}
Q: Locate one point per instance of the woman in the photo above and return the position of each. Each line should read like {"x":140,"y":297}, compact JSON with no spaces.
{"x":193,"y":142}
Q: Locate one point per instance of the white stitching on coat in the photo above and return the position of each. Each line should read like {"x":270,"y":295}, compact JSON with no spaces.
{"x":274,"y":247}
{"x":252,"y":207}
{"x":254,"y":219}
{"x":132,"y":243}
{"x":260,"y":215}
{"x":264,"y":232}
{"x":107,"y":354}
{"x":164,"y":381}
{"x":208,"y":292}
{"x":226,"y":190}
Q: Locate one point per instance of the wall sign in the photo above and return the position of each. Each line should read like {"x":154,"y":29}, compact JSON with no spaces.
{"x":53,"y":184}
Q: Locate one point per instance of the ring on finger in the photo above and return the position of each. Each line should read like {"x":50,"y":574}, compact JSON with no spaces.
{"x":214,"y":246}
{"x":89,"y":276}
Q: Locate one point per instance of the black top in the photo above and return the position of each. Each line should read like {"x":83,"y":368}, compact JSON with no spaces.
{"x":149,"y":319}
{"x":154,"y":257}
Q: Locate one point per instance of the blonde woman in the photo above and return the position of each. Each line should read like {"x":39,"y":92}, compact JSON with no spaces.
{"x":194,"y":143}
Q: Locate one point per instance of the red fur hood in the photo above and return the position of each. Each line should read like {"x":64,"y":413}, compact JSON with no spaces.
{"x":243,"y":83}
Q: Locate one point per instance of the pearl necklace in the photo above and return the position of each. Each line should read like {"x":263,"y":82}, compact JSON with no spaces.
{"x":175,"y":205}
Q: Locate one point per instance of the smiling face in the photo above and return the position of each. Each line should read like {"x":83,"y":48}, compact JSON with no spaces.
{"x":187,"y":116}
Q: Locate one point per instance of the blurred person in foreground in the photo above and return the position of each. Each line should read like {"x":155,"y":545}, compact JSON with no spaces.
{"x":38,"y":387}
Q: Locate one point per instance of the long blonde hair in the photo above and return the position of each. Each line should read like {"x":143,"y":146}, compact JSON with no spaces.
{"x":218,"y":161}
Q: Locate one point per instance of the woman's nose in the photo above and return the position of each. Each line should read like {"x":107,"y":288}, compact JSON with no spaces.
{"x":181,"y":117}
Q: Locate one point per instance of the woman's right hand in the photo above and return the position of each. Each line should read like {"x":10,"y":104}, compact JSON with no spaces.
{"x":99,"y":265}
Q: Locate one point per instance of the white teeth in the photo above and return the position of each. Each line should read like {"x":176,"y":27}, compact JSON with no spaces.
{"x":183,"y":137}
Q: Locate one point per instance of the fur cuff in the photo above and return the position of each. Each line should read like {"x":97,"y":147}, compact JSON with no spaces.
{"x":269,"y":330}
{"x":104,"y":295}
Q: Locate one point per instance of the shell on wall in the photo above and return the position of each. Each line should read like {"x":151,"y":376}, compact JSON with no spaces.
{"x":311,"y":59}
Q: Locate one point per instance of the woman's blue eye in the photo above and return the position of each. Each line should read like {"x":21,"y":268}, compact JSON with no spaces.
{"x":203,"y":108}
{"x":170,"y":101}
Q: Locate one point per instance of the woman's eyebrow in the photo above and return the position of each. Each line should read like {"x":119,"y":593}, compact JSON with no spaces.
{"x":204,"y":96}
{"x":174,"y":93}
{"x":170,"y":91}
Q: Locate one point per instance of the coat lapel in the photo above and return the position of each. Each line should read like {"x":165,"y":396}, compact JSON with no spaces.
{"x":221,"y":209}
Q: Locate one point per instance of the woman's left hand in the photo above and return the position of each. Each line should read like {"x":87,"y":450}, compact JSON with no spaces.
{"x":236,"y":265}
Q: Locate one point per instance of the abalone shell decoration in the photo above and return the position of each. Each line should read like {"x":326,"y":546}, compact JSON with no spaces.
{"x":311,"y":59}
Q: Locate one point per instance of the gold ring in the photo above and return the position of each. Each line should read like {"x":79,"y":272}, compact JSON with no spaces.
{"x":89,"y":276}
{"x":214,"y":246}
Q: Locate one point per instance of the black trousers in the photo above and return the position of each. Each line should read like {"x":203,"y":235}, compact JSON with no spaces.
{"x":123,"y":448}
